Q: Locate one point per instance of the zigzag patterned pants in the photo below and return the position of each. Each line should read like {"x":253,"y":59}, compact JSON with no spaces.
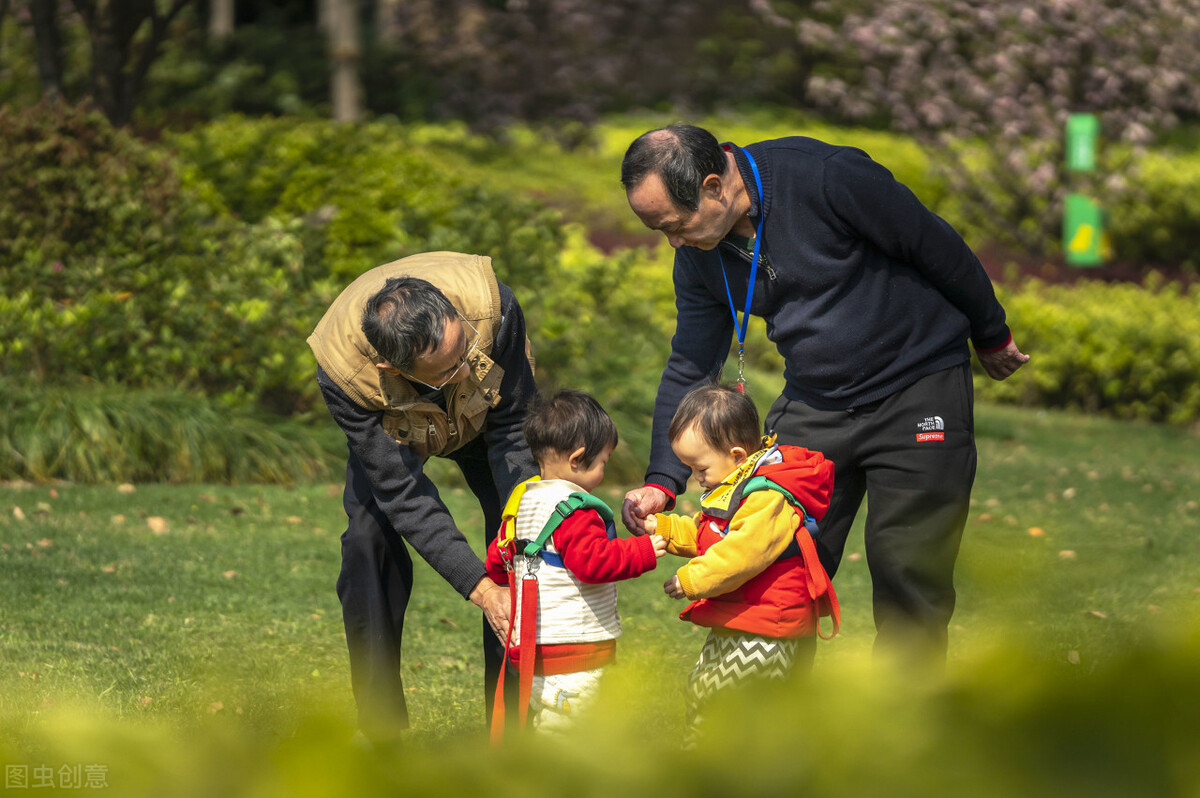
{"x":732,"y":659}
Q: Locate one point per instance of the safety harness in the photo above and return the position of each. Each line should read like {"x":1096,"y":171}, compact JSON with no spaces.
{"x":534,"y":552}
{"x":820,"y":588}
{"x":723,"y":501}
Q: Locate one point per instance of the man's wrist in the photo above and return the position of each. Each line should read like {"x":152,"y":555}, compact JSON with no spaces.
{"x":666,"y":491}
{"x":481,"y":589}
{"x":988,"y":350}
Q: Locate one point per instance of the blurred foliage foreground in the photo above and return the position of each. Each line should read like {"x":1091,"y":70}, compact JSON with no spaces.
{"x":200,"y":264}
{"x":998,"y":728}
{"x":186,"y":641}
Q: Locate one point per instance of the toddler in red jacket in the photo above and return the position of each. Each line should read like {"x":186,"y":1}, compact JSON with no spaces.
{"x":753,"y":575}
{"x":559,"y":542}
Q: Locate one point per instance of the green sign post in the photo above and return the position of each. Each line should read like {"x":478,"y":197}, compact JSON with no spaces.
{"x":1084,"y":239}
{"x":1083,"y":231}
{"x":1082,"y":132}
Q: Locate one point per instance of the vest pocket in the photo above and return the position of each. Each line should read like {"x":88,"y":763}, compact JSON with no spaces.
{"x":429,"y":430}
{"x":423,"y":428}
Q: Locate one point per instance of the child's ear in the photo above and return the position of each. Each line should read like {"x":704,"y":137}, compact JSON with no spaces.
{"x":739,"y":454}
{"x":576,"y":458}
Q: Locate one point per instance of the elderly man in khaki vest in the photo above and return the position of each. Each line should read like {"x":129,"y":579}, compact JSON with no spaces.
{"x":426,"y":356}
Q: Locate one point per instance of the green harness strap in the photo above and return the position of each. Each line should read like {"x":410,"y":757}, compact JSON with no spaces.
{"x":763,"y":483}
{"x":576,"y":501}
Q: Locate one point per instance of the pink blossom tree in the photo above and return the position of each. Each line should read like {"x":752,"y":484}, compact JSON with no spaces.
{"x":988,"y":87}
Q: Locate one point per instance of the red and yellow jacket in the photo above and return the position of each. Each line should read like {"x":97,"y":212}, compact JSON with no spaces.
{"x":754,"y":567}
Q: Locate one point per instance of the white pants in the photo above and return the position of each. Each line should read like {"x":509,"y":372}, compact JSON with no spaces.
{"x":557,"y":701}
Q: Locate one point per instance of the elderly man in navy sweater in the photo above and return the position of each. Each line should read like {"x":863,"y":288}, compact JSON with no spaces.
{"x":871,"y":299}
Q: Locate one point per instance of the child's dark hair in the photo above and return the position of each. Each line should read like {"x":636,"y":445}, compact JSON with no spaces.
{"x":566,"y":421}
{"x":724,"y":416}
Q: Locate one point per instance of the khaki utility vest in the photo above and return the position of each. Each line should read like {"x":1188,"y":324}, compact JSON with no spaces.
{"x":343,"y":352}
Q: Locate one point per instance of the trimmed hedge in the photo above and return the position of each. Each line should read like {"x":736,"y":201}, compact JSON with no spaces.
{"x":1122,"y":350}
{"x":1152,"y":212}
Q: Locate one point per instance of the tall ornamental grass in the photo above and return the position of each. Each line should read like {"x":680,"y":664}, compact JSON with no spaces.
{"x":111,"y":434}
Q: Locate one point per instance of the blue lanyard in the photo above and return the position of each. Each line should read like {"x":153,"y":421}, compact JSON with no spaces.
{"x":741,"y":328}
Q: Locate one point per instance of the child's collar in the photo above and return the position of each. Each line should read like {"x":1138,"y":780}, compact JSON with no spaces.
{"x":724,"y":500}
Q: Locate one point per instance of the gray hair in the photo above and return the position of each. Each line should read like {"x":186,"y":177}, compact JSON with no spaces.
{"x":682,"y":155}
{"x":406,"y":319}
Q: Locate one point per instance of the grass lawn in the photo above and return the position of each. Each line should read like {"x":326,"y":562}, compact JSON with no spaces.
{"x":186,"y":640}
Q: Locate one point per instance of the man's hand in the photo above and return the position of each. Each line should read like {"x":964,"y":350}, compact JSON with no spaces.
{"x":1002,"y":363}
{"x":673,"y":589}
{"x":640,"y":503}
{"x":494,"y":601}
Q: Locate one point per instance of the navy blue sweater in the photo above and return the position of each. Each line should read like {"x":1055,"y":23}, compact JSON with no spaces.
{"x":863,"y":289}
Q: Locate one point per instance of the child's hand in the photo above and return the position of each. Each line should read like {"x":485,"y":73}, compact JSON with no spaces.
{"x":651,"y":523}
{"x":660,"y":546}
{"x":673,"y":589}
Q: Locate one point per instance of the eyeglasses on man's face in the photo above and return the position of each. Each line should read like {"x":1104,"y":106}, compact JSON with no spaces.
{"x":447,"y":375}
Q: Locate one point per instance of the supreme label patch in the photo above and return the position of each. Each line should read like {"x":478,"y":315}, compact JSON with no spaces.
{"x":923,"y":437}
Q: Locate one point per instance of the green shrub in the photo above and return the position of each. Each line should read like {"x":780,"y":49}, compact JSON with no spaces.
{"x":74,"y":190}
{"x":596,"y":326}
{"x":206,"y":267}
{"x":121,"y":265}
{"x":1001,"y":725}
{"x":209,"y":273}
{"x":114,"y":273}
{"x":1151,"y":211}
{"x":366,"y":191}
{"x":1121,"y":350}
{"x":576,"y":300}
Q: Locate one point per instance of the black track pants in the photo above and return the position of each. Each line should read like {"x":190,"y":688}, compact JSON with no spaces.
{"x":374,"y":588}
{"x":913,"y":456}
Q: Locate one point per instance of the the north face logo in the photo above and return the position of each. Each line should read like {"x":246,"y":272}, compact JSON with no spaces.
{"x":931,"y":423}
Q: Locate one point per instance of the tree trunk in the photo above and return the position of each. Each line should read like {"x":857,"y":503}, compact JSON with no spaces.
{"x":345,"y":52}
{"x":120,"y":58}
{"x":44,"y":14}
{"x":220,"y":20}
{"x":4,"y":4}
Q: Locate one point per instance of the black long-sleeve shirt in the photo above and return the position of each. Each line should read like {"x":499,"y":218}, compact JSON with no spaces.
{"x":863,"y":289}
{"x":400,"y":487}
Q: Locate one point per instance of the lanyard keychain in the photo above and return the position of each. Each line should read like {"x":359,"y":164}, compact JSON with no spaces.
{"x":741,"y":328}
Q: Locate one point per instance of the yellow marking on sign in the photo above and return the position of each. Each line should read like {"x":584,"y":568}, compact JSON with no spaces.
{"x":1082,"y":240}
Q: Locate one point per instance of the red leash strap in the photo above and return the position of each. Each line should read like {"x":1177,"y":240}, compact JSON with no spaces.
{"x":528,"y":648}
{"x":498,"y":703}
{"x":820,"y":588}
{"x":528,"y":644}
